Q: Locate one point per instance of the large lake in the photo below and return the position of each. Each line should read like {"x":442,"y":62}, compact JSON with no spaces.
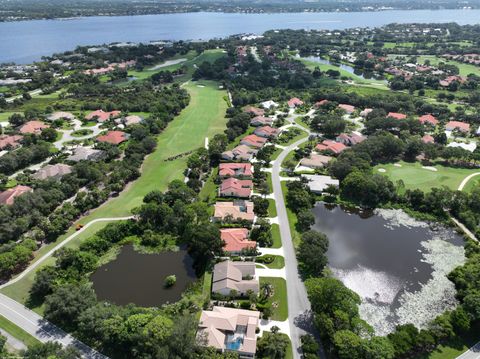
{"x":396,"y":264}
{"x":27,"y":41}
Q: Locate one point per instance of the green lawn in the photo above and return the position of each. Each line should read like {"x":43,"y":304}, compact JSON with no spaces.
{"x":17,"y":332}
{"x":5,"y":115}
{"x":414,"y":176}
{"x":279,"y":299}
{"x":289,"y":353}
{"x":277,"y":240}
{"x":272,"y":208}
{"x":278,"y":263}
{"x":204,"y":117}
{"x":292,"y":219}
{"x":454,"y":347}
{"x":465,"y":69}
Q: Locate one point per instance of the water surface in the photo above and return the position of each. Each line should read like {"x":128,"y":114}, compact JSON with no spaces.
{"x":396,"y":264}
{"x":138,"y":278}
{"x":27,"y":41}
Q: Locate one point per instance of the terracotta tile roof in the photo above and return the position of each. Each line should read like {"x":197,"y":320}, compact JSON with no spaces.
{"x":254,"y":141}
{"x":294,"y":102}
{"x":461,"y":126}
{"x":347,"y":108}
{"x":102,"y":116}
{"x":254,"y":110}
{"x":429,"y":119}
{"x":10,"y":141}
{"x":267,"y":131}
{"x":328,"y":145}
{"x":235,"y":169}
{"x":261,"y":121}
{"x":236,"y":239}
{"x":320,"y":103}
{"x":8,"y":197}
{"x":428,"y":139}
{"x":235,"y":209}
{"x":33,"y":127}
{"x":233,"y":187}
{"x":113,"y":137}
{"x":397,"y":116}
{"x":241,"y":152}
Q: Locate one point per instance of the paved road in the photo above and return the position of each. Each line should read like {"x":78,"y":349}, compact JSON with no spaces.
{"x":298,"y":303}
{"x":466,"y":179}
{"x":58,"y":246}
{"x":41,"y":329}
{"x":472,"y":353}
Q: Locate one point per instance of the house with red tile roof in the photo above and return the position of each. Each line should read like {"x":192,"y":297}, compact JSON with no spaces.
{"x":7,"y":142}
{"x":236,"y":240}
{"x":113,"y":137}
{"x":261,"y":121}
{"x":267,"y":132}
{"x":239,"y":153}
{"x":253,"y":141}
{"x":8,"y":197}
{"x":349,"y":109}
{"x":254,"y":111}
{"x":102,"y":116}
{"x":241,"y":170}
{"x":449,"y":79}
{"x":234,"y":187}
{"x":397,"y":116}
{"x":429,"y":118}
{"x":320,"y":103}
{"x":458,"y":125}
{"x":350,"y":140}
{"x":428,"y":139}
{"x":33,"y":127}
{"x":236,"y":210}
{"x":294,"y":102}
{"x":331,"y":146}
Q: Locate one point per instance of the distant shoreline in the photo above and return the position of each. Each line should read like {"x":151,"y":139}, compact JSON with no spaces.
{"x":226,"y":11}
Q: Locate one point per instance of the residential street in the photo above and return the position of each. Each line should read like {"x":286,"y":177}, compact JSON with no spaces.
{"x":472,"y":353}
{"x":36,"y":326}
{"x":298,"y":303}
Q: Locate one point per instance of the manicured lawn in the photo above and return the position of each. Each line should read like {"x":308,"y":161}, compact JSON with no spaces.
{"x":207,"y":285}
{"x":5,"y":115}
{"x":292,"y":219}
{"x":208,"y":193}
{"x":301,"y":135}
{"x":17,"y":332}
{"x":277,"y":240}
{"x":272,"y":209}
{"x":204,"y":117}
{"x":465,"y":69}
{"x":279,"y":299}
{"x":289,"y":353}
{"x":414,"y":176}
{"x":278,"y":263}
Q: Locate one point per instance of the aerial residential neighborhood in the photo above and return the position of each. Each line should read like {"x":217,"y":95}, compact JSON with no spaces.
{"x":295,"y":180}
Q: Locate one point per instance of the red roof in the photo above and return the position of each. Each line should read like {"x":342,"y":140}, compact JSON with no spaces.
{"x":329,"y":145}
{"x":294,"y":102}
{"x":102,"y":116}
{"x":397,"y":116}
{"x":267,"y":131}
{"x":236,"y":239}
{"x":428,"y":139}
{"x":113,"y":137}
{"x":254,"y":141}
{"x":33,"y":127}
{"x":347,"y":108}
{"x":254,"y":110}
{"x":233,"y":187}
{"x":235,"y":169}
{"x":10,"y":141}
{"x":461,"y":126}
{"x":320,"y":103}
{"x":428,"y":118}
{"x":8,"y":197}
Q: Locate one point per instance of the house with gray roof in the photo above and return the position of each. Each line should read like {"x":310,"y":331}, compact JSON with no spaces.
{"x":231,"y":276}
